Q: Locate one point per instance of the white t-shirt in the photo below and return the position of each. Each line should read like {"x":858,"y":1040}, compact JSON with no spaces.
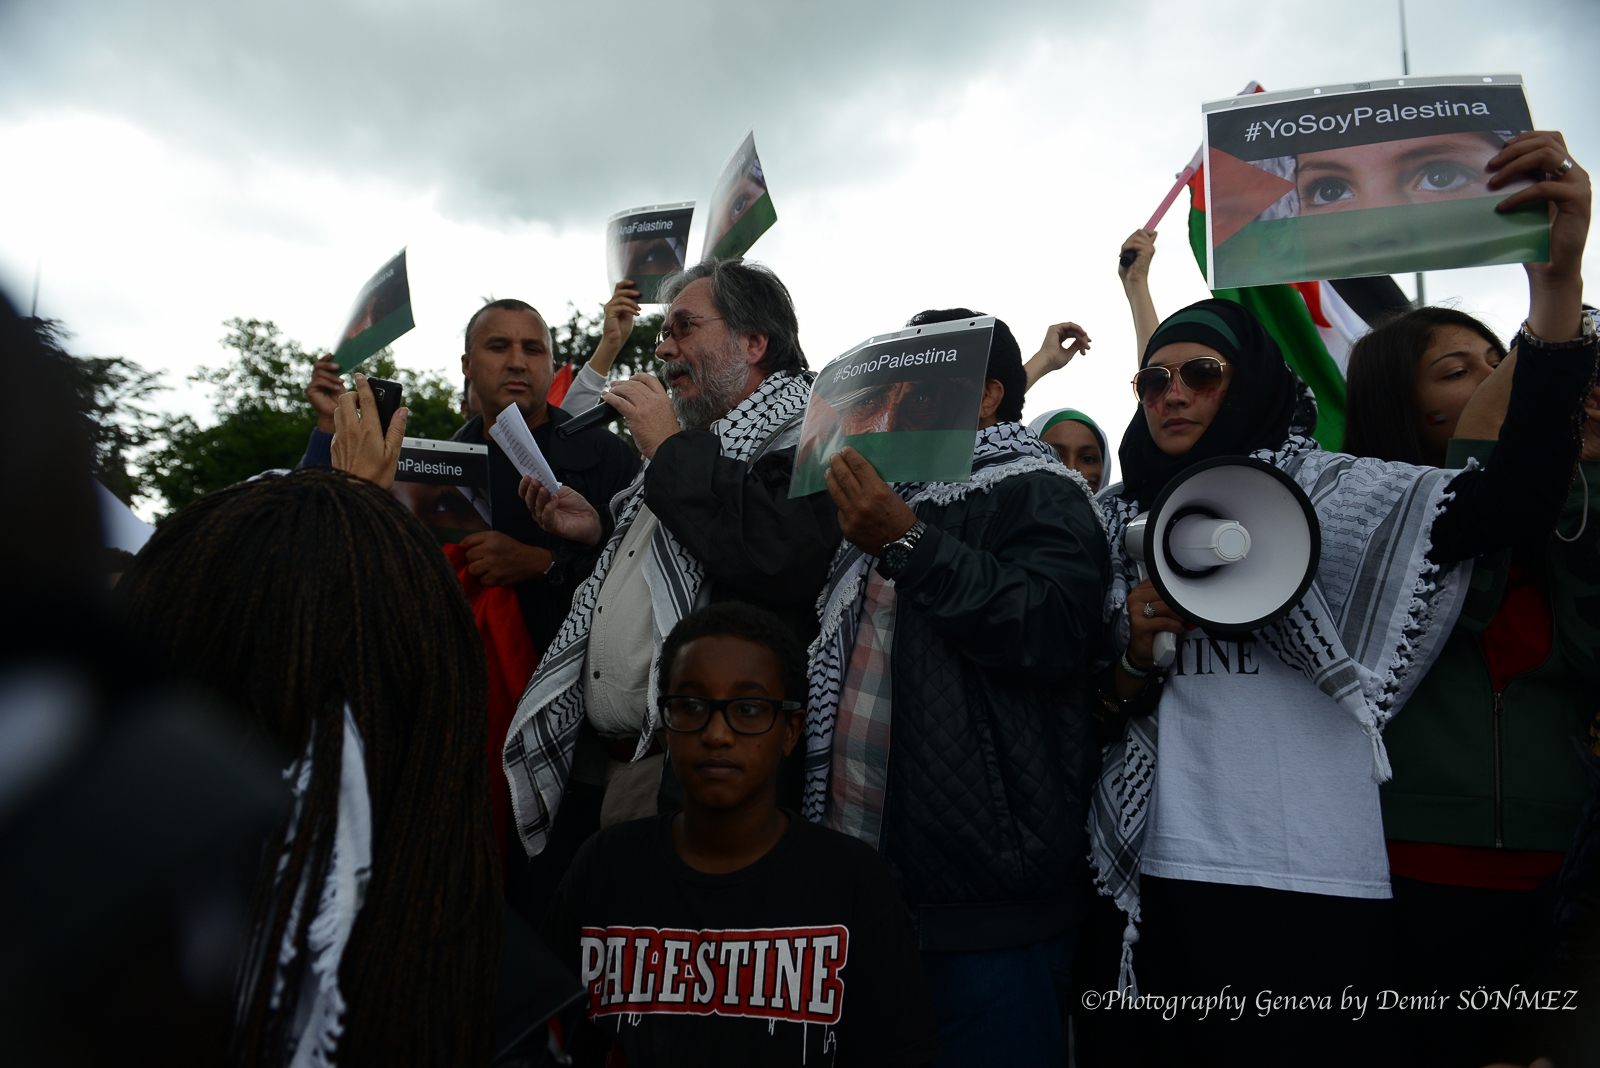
{"x":1261,"y":779}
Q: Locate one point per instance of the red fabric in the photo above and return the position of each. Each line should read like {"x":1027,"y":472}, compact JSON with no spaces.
{"x":1517,"y":639}
{"x":1312,"y":292}
{"x":1197,"y":189}
{"x":511,"y":660}
{"x":1490,"y":869}
{"x":559,"y":384}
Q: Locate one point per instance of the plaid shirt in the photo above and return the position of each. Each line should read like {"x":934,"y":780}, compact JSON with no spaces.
{"x":861,"y":737}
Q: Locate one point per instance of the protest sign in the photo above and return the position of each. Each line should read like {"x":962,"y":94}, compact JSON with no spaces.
{"x":381,"y":313}
{"x":741,"y":207}
{"x":1377,"y":177}
{"x":647,"y":244}
{"x":446,"y":485}
{"x":906,"y":401}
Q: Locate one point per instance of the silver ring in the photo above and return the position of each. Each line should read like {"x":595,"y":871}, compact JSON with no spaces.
{"x":1149,"y":610}
{"x":1565,"y":166}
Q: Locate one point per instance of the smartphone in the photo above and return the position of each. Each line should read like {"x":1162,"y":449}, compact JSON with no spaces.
{"x":387,"y":394}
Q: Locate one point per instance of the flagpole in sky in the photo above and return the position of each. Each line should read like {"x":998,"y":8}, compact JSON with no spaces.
{"x":1405,"y":69}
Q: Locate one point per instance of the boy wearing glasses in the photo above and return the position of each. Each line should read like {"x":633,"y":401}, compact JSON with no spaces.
{"x":734,"y":932}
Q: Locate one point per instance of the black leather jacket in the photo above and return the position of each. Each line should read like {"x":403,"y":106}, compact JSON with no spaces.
{"x":992,"y":753}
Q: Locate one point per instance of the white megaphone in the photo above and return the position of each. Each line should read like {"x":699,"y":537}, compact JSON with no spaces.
{"x":1232,"y":543}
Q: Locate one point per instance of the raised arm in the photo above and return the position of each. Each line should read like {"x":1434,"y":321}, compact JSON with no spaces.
{"x":1519,"y":492}
{"x":1136,"y":285}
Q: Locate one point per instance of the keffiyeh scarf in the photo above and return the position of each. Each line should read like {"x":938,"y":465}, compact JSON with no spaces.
{"x":1002,"y":451}
{"x":318,"y":1015}
{"x":1366,"y":632}
{"x":539,"y":745}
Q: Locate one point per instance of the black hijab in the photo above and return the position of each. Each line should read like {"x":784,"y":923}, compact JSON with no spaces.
{"x":1256,"y":414}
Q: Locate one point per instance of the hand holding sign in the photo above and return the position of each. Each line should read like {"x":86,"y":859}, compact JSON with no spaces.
{"x":871,"y":513}
{"x":1557,"y":286}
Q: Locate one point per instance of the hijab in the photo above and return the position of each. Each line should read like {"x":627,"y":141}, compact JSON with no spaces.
{"x":1256,"y":414}
{"x":1071,"y":415}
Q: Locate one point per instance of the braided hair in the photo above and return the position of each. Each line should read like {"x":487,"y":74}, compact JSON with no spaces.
{"x":291,"y":597}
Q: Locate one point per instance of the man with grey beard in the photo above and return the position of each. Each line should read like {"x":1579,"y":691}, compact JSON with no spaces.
{"x":708,"y":519}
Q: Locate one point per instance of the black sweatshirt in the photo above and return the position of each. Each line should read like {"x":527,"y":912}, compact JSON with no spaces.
{"x":1518,"y":494}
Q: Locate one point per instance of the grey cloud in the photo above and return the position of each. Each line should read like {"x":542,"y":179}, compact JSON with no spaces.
{"x":551,"y":111}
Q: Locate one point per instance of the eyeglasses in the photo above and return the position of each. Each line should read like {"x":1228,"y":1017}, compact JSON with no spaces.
{"x":678,"y":327}
{"x":746,"y":715}
{"x":1203,"y":374}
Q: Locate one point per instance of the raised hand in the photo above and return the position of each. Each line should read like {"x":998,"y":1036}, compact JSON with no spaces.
{"x":324,"y":391}
{"x":359,"y":444}
{"x":1555,"y":288}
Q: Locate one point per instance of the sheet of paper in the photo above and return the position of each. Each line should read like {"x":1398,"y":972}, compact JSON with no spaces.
{"x":516,"y":439}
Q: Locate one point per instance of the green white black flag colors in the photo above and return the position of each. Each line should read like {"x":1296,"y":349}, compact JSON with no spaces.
{"x":445,"y":484}
{"x":906,"y":401}
{"x":741,"y":207}
{"x":1381,"y":177}
{"x":381,"y":313}
{"x":647,"y":244}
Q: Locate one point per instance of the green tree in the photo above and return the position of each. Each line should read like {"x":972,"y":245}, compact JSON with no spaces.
{"x":262,"y":416}
{"x":112,"y":394}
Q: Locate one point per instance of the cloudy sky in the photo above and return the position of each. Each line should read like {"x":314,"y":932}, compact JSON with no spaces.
{"x":170,"y":165}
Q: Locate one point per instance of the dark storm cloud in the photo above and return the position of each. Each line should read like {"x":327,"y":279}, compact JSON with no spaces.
{"x":552,"y":111}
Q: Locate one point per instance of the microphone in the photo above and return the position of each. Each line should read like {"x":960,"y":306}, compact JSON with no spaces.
{"x":600,"y":413}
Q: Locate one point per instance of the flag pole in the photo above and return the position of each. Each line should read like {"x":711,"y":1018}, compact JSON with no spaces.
{"x":1405,"y":69}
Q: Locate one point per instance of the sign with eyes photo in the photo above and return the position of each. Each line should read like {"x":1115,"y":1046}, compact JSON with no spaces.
{"x":741,"y":206}
{"x":907,"y":401}
{"x":1380,"y":177}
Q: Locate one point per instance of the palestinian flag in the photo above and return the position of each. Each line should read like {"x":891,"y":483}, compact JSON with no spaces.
{"x":1314,"y":323}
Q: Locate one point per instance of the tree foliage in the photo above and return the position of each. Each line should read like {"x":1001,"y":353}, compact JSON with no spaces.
{"x":262,"y":416}
{"x":113,"y":394}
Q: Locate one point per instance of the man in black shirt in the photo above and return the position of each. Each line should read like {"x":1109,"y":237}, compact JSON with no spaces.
{"x":508,"y":363}
{"x":734,"y":932}
{"x":508,"y":366}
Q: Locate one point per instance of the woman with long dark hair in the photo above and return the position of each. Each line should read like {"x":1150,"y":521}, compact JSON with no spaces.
{"x":1488,"y":784}
{"x":1250,"y":853}
{"x":317,"y":606}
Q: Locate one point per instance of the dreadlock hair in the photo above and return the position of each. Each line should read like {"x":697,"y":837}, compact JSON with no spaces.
{"x":1381,"y":407}
{"x":290,"y":597}
{"x":736,"y":619}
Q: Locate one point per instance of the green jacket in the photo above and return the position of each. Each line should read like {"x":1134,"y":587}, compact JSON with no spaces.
{"x":1476,"y":768}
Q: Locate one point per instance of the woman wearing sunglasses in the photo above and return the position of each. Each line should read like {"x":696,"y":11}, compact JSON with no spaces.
{"x":1250,"y":854}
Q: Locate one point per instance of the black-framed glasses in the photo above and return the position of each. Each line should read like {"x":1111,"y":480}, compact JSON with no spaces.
{"x":1203,"y":374}
{"x":745,"y":715}
{"x":678,"y":327}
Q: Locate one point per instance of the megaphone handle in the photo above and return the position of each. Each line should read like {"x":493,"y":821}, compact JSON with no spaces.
{"x":1164,"y":646}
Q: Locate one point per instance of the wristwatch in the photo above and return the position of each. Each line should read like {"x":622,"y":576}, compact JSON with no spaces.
{"x":556,"y":573}
{"x":892,"y":558}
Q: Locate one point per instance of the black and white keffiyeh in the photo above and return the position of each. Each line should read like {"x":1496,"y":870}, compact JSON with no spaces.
{"x":318,"y":1016}
{"x":539,"y":744}
{"x":1366,"y":632}
{"x":1001,"y":451}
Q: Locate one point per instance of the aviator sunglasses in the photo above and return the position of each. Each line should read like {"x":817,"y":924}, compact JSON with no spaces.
{"x":1203,"y":374}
